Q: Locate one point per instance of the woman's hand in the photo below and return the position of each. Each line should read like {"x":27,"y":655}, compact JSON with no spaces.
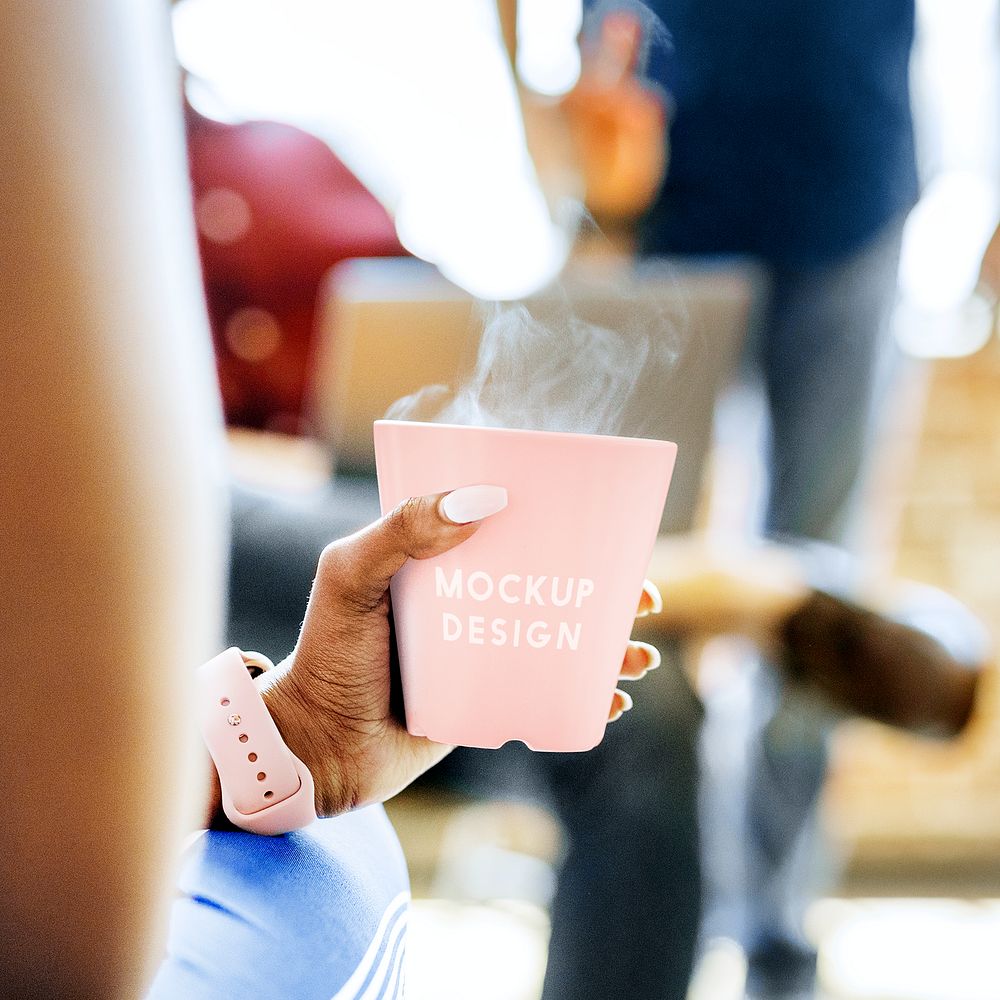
{"x":330,"y":698}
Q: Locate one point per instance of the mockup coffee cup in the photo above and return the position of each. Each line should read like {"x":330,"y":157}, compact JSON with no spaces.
{"x":519,"y":632}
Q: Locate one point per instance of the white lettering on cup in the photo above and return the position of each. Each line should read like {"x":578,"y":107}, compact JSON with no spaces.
{"x":499,"y":630}
{"x":445,"y":589}
{"x":511,"y":578}
{"x":485,"y":592}
{"x":452,"y":626}
{"x":537,"y":635}
{"x":584,"y":589}
{"x":476,"y":625}
{"x":561,"y":602}
{"x":481,"y":630}
{"x":568,"y":638}
{"x":533,"y":589}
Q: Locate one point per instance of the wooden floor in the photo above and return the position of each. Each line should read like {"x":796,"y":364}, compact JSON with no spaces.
{"x":915,"y":815}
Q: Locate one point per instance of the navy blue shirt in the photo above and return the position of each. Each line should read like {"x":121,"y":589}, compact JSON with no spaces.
{"x":791,"y":135}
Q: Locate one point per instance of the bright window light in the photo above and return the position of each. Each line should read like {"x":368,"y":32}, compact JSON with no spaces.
{"x":940,"y":313}
{"x":944,"y":240}
{"x":955,"y":77}
{"x":548,"y":54}
{"x":908,"y":949}
{"x":417,"y":98}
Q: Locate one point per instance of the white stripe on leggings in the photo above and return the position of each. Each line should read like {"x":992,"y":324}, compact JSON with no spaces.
{"x":395,"y":987}
{"x":349,"y":991}
{"x":389,"y":962}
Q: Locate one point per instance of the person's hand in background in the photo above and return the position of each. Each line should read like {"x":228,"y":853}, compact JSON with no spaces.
{"x":618,"y":123}
{"x":331,"y":698}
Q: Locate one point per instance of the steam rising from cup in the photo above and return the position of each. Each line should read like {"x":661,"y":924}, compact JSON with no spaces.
{"x":543,"y":366}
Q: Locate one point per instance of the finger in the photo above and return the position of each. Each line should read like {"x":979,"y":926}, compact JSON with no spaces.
{"x":619,"y":46}
{"x":362,"y":565}
{"x":650,"y":601}
{"x":621,"y":702}
{"x":640,"y":658}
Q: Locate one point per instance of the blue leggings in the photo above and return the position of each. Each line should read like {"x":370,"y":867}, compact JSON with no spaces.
{"x":319,"y":913}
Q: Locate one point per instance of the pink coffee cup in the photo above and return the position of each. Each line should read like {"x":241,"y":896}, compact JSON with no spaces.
{"x":519,"y":632}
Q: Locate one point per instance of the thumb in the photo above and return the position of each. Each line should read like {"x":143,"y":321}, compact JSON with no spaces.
{"x":361,"y":566}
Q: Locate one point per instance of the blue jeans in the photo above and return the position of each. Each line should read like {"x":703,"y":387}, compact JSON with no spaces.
{"x":627,"y":905}
{"x":822,"y":350}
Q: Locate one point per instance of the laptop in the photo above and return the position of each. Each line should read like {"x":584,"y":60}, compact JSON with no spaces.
{"x":388,"y":327}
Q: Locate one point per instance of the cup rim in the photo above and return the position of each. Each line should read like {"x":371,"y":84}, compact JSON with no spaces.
{"x":524,"y":432}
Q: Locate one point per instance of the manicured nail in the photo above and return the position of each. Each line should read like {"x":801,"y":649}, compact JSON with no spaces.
{"x":472,"y":503}
{"x":653,"y":658}
{"x":655,"y":600}
{"x":626,"y":701}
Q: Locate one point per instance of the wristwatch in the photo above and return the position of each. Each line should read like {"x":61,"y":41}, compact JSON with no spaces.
{"x":265,"y":787}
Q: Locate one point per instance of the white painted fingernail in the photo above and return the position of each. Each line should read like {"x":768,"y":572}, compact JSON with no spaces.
{"x":473,"y":503}
{"x":656,"y":601}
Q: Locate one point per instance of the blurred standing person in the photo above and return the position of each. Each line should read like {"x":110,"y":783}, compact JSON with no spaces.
{"x":791,"y":143}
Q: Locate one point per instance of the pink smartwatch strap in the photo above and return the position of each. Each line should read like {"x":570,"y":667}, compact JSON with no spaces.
{"x":265,"y":787}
